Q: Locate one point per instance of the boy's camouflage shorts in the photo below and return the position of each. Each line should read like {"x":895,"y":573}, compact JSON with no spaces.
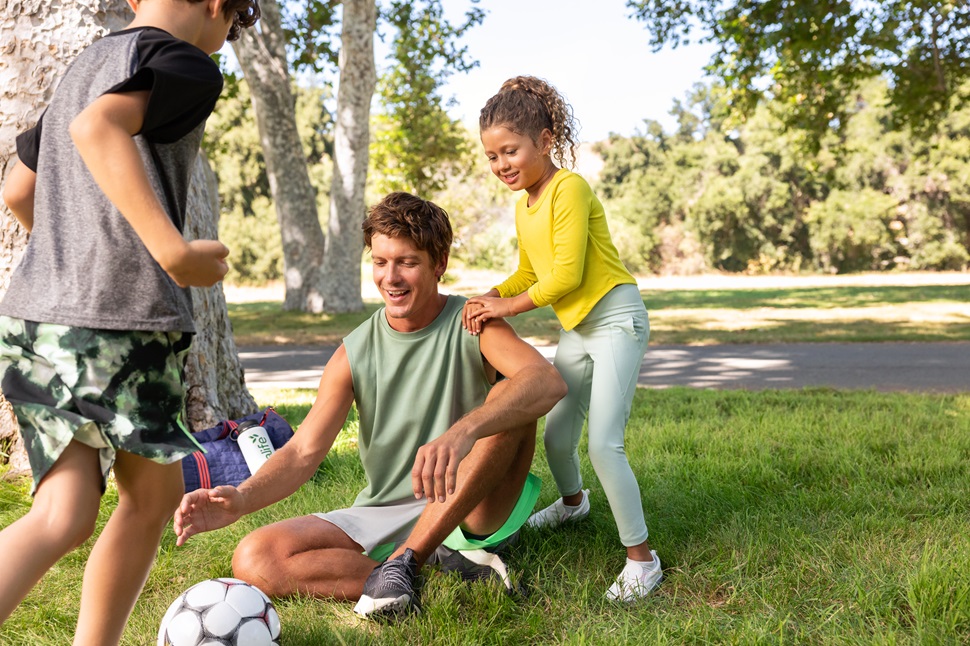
{"x":111,"y":390}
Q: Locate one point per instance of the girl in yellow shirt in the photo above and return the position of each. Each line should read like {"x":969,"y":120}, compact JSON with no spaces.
{"x":567,"y":260}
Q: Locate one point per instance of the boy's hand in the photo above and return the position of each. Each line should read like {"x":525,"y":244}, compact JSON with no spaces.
{"x":203,"y":510}
{"x":199,"y":263}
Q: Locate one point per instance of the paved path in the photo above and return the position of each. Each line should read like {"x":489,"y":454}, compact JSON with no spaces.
{"x":923,"y":367}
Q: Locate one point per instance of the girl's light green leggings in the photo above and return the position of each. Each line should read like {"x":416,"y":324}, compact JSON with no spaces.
{"x":600,"y":361}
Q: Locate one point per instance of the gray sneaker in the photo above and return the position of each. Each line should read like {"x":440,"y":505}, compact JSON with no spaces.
{"x":473,"y":565}
{"x":391,"y":589}
{"x":558,"y":513}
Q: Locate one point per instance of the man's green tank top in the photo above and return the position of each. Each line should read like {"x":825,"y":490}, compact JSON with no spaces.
{"x":410,"y":387}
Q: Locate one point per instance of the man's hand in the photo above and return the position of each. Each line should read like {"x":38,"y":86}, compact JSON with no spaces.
{"x":199,"y":263}
{"x":435,"y":472}
{"x":203,"y":510}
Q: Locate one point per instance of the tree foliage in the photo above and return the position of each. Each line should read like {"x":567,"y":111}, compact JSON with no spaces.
{"x":751,"y":199}
{"x":415,"y":138}
{"x":247,"y":221}
{"x":811,"y":56}
{"x":312,"y":29}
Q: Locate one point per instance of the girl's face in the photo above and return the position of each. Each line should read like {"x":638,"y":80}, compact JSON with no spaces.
{"x":517,"y":160}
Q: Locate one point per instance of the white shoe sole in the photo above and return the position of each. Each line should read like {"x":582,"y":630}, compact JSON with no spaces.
{"x":625,"y":593}
{"x":640,"y":592}
{"x":493,"y":561}
{"x":369,"y":608}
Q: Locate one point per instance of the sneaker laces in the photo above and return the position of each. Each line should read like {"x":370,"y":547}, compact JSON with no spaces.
{"x":396,"y":574}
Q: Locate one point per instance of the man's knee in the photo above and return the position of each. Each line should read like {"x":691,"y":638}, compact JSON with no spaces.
{"x":256,"y":560}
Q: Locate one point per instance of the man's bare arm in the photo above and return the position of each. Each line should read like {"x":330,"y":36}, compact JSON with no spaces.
{"x":302,"y":455}
{"x":286,"y":470}
{"x":533,"y":387}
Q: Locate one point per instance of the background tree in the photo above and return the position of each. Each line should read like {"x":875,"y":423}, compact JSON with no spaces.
{"x":40,"y":39}
{"x":416,"y":137}
{"x":351,"y":140}
{"x":418,"y":146}
{"x":753,"y":199}
{"x":248,"y":223}
{"x":262,"y":56}
{"x":811,"y":56}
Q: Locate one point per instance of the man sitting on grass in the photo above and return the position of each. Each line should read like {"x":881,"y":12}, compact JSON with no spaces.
{"x":446,"y":443}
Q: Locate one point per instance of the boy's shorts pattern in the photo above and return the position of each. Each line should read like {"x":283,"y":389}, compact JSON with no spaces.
{"x":111,"y":390}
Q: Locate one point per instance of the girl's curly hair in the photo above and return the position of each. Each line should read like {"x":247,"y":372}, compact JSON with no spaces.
{"x":526,"y":105}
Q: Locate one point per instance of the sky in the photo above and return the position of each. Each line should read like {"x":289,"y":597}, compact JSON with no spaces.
{"x":598,"y":57}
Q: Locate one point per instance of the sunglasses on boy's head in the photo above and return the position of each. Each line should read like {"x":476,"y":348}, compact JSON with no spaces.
{"x":246,"y":16}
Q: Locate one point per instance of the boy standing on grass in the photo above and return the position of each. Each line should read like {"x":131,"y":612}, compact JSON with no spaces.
{"x":97,"y":321}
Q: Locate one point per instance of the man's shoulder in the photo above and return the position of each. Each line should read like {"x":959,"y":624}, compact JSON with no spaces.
{"x":365,"y":328}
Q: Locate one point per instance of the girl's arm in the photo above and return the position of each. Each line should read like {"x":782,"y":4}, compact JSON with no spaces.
{"x":478,"y":309}
{"x":570,"y":237}
{"x":490,"y":305}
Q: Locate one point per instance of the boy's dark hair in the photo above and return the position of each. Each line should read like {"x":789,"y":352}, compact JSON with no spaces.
{"x":244,"y":14}
{"x":402,"y":215}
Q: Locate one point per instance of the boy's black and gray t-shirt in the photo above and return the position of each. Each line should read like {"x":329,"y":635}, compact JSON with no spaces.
{"x":84,"y":265}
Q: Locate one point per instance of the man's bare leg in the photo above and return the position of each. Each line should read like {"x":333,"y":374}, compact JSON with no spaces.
{"x":306,"y":555}
{"x":489,"y":484}
{"x":490,"y":481}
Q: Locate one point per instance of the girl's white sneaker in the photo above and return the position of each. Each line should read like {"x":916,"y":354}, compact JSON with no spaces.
{"x":558,"y":513}
{"x":636,"y":580}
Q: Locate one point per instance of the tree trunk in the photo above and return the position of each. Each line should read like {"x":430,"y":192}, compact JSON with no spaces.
{"x":38,"y":39}
{"x":216,"y":387}
{"x":358,"y":79}
{"x":262,"y":56}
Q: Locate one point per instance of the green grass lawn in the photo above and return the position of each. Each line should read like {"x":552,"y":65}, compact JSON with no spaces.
{"x":782,"y":517}
{"x":698,"y":317}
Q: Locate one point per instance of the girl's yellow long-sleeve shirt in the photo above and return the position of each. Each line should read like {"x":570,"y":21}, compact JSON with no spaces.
{"x":566,"y":255}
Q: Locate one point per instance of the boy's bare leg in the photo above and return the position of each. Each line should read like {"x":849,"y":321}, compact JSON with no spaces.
{"x":117,"y":569}
{"x":62,"y":516}
{"x":490,"y":481}
{"x":305,"y":555}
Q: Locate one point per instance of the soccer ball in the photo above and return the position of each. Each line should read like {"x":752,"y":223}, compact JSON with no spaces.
{"x":220,"y":612}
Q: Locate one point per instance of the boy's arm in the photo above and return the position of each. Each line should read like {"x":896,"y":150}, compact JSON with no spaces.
{"x":103,"y":134}
{"x":286,"y":470}
{"x":18,"y":194}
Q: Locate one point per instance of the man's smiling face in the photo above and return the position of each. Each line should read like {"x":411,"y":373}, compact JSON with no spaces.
{"x":407,"y":281}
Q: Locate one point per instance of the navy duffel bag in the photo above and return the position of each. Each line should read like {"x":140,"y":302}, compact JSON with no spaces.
{"x":223,"y":462}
